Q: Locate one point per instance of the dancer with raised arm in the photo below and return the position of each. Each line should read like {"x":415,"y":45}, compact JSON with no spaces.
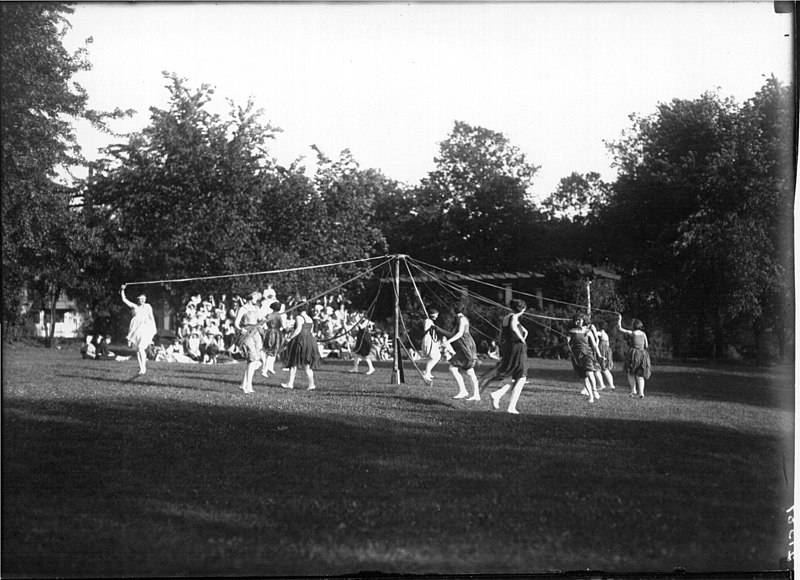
{"x":250,"y":340}
{"x":142,"y":328}
{"x":466,"y":354}
{"x":302,"y":349}
{"x":513,"y":358}
{"x":585,"y":354}
{"x":637,"y":359}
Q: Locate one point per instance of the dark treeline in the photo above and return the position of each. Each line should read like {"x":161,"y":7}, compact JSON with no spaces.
{"x":698,"y":222}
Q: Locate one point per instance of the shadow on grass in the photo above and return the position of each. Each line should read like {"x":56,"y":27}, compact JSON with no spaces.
{"x":776,"y":391}
{"x":176,"y":487}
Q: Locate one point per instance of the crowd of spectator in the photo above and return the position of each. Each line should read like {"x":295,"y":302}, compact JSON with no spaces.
{"x":206,"y":332}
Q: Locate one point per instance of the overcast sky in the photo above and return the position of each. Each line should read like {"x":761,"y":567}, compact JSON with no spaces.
{"x":387,"y":80}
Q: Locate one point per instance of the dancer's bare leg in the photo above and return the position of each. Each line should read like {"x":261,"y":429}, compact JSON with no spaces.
{"x":290,"y":383}
{"x":499,"y":394}
{"x":476,"y":391}
{"x":462,"y":390}
{"x":310,"y":376}
{"x":515,"y":394}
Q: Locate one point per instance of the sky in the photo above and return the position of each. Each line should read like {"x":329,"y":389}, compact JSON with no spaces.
{"x":388,"y":80}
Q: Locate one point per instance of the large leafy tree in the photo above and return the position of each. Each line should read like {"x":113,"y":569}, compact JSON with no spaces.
{"x":42,"y":239}
{"x":197,"y":194}
{"x":473,"y":210}
{"x":577,"y":198}
{"x":326,"y":218}
{"x":695,"y":212}
{"x":178,"y":198}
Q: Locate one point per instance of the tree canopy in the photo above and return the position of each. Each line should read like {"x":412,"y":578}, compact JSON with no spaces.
{"x":698,"y":220}
{"x":39,"y":100}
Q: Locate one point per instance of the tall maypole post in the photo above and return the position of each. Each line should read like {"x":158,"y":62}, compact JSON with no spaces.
{"x":589,"y":298}
{"x":397,"y":368}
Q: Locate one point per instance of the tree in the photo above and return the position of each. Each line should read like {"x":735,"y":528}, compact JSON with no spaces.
{"x":197,"y":194}
{"x":577,"y":198}
{"x":695,"y":212}
{"x":39,"y":101}
{"x":473,"y":210}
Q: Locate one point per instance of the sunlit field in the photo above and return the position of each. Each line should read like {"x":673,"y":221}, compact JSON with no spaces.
{"x":178,"y":472}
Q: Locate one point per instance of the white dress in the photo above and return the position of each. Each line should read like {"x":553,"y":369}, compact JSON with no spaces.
{"x":430,"y":343}
{"x":142,"y":328}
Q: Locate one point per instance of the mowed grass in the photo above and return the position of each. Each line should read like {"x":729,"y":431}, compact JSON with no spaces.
{"x":180,"y":473}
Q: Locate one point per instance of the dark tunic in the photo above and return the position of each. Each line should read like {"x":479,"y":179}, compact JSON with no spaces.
{"x":513,"y":355}
{"x":637,"y":359}
{"x":273,"y":336}
{"x":583,"y":360}
{"x":303,"y":349}
{"x":466,"y":356}
{"x":363,"y":342}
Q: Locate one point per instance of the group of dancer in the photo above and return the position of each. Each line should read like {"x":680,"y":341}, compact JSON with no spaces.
{"x":261,"y":341}
{"x":592,"y":359}
{"x":589,"y":347}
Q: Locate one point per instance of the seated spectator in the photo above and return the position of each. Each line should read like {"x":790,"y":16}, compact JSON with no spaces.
{"x":88,"y":349}
{"x":155,"y":352}
{"x":192,"y":348}
{"x":228,"y":334}
{"x":175,"y":353}
{"x":493,"y":351}
{"x":208,"y":347}
{"x":103,"y":349}
{"x":221,"y":310}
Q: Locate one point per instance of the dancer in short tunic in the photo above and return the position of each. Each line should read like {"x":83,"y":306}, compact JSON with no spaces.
{"x":273,"y":339}
{"x":431,"y":348}
{"x":364,"y":348}
{"x":584,"y":355}
{"x":250,"y":340}
{"x":606,"y":361}
{"x":637,"y":359}
{"x":513,"y":358}
{"x":465,"y":357}
{"x":302,"y":349}
{"x":142,"y":328}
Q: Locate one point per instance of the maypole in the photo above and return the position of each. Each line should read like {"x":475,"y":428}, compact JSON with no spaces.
{"x":397,"y":368}
{"x":589,"y":298}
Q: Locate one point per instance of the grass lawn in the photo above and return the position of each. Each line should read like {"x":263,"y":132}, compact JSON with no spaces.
{"x":178,"y":472}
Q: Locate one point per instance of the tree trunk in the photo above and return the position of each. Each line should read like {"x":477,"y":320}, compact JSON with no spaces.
{"x":757,"y":335}
{"x":719,"y":336}
{"x":52,"y":333}
{"x":677,"y":338}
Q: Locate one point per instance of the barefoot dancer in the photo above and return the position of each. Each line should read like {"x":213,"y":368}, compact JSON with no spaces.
{"x":364,"y":349}
{"x":514,"y":358}
{"x":273,"y":339}
{"x":142,"y":328}
{"x":250,"y":340}
{"x":607,"y":356}
{"x":585,"y":355}
{"x":466,"y":354}
{"x":637,"y":359}
{"x":302,"y":349}
{"x":431,"y":349}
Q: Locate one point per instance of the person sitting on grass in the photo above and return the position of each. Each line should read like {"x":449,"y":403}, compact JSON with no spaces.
{"x":88,"y":349}
{"x":193,"y":346}
{"x":208,"y":347}
{"x":175,"y":353}
{"x":102,"y":349}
